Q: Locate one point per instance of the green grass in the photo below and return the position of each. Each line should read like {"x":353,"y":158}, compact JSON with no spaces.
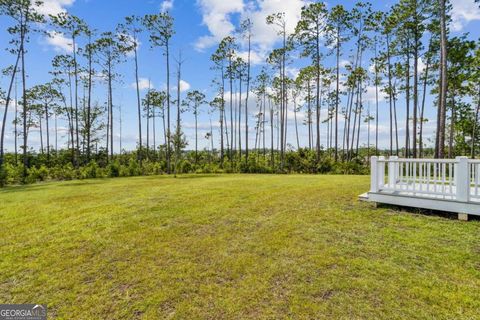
{"x":232,"y":247}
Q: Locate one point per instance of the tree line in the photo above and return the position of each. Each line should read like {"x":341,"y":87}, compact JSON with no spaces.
{"x":405,"y":54}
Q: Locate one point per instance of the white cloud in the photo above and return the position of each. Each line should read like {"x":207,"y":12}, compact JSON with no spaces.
{"x":265,"y":36}
{"x":184,"y":86}
{"x":59,"y":42}
{"x":143,"y":84}
{"x":256,"y":58}
{"x":344,"y":63}
{"x":463,"y":11}
{"x":370,"y":94}
{"x":166,"y":5}
{"x":421,"y":65}
{"x":216,"y":15}
{"x":54,"y":7}
{"x":221,"y":17}
{"x":292,"y":72}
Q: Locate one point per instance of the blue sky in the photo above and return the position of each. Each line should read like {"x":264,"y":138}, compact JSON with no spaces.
{"x":199,"y":25}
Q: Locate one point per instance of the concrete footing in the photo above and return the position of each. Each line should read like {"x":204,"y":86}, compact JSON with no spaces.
{"x":463,"y":216}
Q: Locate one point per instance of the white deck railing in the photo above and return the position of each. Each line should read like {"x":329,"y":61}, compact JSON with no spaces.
{"x":456,"y":179}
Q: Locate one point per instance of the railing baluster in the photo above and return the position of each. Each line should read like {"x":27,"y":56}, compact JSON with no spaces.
{"x":409,"y":176}
{"x":414,"y":177}
{"x":450,"y":175}
{"x":444,"y":178}
{"x":475,"y":166}
{"x":420,"y":176}
{"x":428,"y":176}
{"x":400,"y":175}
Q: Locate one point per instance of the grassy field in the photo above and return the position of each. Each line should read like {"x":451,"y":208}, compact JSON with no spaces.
{"x":232,"y":247}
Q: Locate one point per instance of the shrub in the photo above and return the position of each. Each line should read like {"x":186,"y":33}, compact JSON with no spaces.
{"x":35,"y":174}
{"x":133,"y":168}
{"x":90,"y":171}
{"x":113,"y":169}
{"x":66,"y":172}
{"x":3,"y":176}
{"x":325,"y":166}
{"x":185,"y":166}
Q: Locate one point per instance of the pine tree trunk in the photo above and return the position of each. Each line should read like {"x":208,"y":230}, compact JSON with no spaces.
{"x":318,"y":90}
{"x":422,"y":111}
{"x":7,"y":103}
{"x":440,"y":144}
{"x":272,"y":159}
{"x":56,"y":134}
{"x":139,"y":107}
{"x":407,"y":103}
{"x":452,"y":127}
{"x":167,"y":47}
{"x":475,"y":124}
{"x":376,"y":101}
{"x":390,"y":92}
{"x":89,"y":105}
{"x":246,"y":99}
{"x":232,"y":133}
{"x":24,"y":95}
{"x":110,"y":97}
{"x":240,"y":120}
{"x":337,"y":92}
{"x":415,"y":93}
{"x":154,"y":132}
{"x":196,"y":135}
{"x":296,"y":123}
{"x":48,"y":131}
{"x":75,"y":73}
{"x":16,"y":125}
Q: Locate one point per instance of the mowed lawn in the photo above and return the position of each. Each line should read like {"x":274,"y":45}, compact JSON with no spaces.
{"x":232,"y":247}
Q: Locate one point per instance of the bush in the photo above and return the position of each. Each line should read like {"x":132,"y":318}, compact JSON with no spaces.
{"x":113,"y":169}
{"x":133,"y":168}
{"x":66,"y":172}
{"x":3,"y":176}
{"x":14,"y":174}
{"x":325,"y":166}
{"x":126,"y":164}
{"x":35,"y":174}
{"x":151,"y":168}
{"x":90,"y":171}
{"x":185,"y":166}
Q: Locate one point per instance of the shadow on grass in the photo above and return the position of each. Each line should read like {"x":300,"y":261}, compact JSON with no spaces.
{"x":21,"y":188}
{"x":92,"y":182}
{"x":197,"y":176}
{"x":426,"y":212}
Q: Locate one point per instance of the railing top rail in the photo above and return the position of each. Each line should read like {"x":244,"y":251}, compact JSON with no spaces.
{"x":395,"y":160}
{"x":473,"y":161}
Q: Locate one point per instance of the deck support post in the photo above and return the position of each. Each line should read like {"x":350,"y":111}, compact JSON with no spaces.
{"x":381,"y":172}
{"x":463,"y":216}
{"x":377,"y":173}
{"x":373,"y":174}
{"x":393,"y":171}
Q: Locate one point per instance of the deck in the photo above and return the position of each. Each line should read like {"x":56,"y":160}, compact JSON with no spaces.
{"x":448,"y":185}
